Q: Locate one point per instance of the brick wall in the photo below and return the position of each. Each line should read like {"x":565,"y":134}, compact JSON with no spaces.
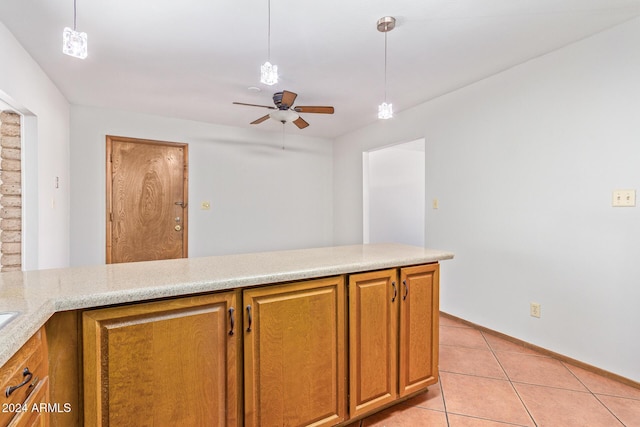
{"x":10,"y":193}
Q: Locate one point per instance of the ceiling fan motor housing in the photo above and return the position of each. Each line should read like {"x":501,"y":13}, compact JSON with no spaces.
{"x":277,"y":99}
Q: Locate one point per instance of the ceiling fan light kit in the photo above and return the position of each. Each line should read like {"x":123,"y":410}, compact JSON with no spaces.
{"x":74,"y":43}
{"x":384,"y":25}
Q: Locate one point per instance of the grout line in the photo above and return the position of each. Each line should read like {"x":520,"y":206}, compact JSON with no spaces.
{"x":509,"y":379}
{"x":592,"y":393}
{"x":444,"y":401}
{"x":548,"y":353}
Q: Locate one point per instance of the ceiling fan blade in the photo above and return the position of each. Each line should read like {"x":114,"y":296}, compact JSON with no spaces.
{"x":314,"y":109}
{"x":288,"y":98}
{"x":256,"y":105}
{"x":300,"y":123}
{"x":260,"y":120}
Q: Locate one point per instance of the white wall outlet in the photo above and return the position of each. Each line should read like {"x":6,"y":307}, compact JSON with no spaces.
{"x":534,"y":309}
{"x":434,"y":203}
{"x":624,"y":198}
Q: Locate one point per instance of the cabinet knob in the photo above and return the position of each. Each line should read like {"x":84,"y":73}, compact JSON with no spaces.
{"x":177,"y":228}
{"x":27,"y":374}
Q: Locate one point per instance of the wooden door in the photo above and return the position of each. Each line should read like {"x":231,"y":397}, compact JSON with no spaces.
{"x":147,"y":212}
{"x":373,"y":345}
{"x":419,"y":316}
{"x":295,"y":355}
{"x":166,"y":363}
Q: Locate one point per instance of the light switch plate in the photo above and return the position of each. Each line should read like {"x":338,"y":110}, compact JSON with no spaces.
{"x":623,"y":198}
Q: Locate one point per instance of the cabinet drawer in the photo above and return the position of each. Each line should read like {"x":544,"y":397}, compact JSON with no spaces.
{"x":35,"y":415}
{"x":29,"y":365}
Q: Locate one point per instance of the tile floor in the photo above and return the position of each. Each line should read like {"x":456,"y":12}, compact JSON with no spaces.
{"x":486,"y":381}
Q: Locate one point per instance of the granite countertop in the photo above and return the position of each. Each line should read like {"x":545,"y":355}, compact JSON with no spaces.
{"x":37,"y":295}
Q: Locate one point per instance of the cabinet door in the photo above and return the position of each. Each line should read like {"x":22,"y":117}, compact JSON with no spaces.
{"x":373,"y":314}
{"x":419,"y":314}
{"x":163,"y":363}
{"x":294,"y":354}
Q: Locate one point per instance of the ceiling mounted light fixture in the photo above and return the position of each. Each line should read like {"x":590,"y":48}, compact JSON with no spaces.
{"x":384,"y":25}
{"x":268,"y":71}
{"x":74,"y":43}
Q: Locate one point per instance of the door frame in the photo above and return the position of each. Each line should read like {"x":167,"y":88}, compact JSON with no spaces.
{"x":109,"y":188}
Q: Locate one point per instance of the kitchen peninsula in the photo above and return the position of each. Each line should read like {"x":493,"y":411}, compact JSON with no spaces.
{"x":313,"y":336}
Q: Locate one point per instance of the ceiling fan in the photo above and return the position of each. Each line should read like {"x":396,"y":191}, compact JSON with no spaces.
{"x":286,"y":112}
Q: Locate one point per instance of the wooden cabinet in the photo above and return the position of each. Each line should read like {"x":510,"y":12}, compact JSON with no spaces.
{"x":419,"y":314}
{"x":172,"y":362}
{"x":25,"y":379}
{"x":393,"y":335}
{"x":373,"y":340}
{"x":294,"y":354}
{"x":319,"y":352}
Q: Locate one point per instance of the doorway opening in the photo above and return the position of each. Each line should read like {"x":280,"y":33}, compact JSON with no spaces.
{"x":394,"y":194}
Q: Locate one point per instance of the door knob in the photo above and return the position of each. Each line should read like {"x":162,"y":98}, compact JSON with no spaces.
{"x":177,"y":228}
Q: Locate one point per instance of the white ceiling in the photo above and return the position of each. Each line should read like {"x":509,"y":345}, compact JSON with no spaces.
{"x":192,"y":58}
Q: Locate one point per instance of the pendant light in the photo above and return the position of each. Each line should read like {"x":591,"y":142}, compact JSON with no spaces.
{"x":74,"y":43}
{"x":384,"y":25}
{"x":268,"y":71}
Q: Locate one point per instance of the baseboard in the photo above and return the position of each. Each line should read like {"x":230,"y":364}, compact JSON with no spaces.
{"x":549,"y":353}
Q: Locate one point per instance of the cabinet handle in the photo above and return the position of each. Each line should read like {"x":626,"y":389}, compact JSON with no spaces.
{"x":406,"y":290}
{"x":250,"y":319}
{"x":26,"y":373}
{"x":395,"y":291}
{"x":232,"y":319}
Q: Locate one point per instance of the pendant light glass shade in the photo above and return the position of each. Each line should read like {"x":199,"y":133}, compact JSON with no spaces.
{"x":74,"y":43}
{"x":268,"y":73}
{"x":385,"y":111}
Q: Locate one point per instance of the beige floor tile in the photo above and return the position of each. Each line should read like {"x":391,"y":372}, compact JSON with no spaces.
{"x":601,"y":385}
{"x":500,"y":344}
{"x":432,"y":399}
{"x":486,"y":398}
{"x":554,"y":407}
{"x":540,"y":370}
{"x":463,"y":421}
{"x":462,"y":337}
{"x":626,"y":410}
{"x":452,"y":322}
{"x":471,"y":361}
{"x":403,"y":416}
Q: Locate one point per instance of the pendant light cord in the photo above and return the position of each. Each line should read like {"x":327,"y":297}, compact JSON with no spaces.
{"x":74,"y":15}
{"x":385,"y":67}
{"x":268,"y":33}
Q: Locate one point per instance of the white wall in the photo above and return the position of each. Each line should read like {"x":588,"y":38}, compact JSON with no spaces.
{"x":523,"y":164}
{"x":394,"y":187}
{"x":262,"y":197}
{"x":45,"y":154}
